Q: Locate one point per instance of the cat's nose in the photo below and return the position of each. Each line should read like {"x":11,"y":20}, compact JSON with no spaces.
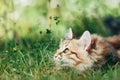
{"x":55,"y":56}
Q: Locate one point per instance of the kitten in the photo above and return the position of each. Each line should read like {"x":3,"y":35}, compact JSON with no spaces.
{"x":86,"y":52}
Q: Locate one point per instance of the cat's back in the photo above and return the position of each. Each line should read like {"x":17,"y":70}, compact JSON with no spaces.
{"x":114,"y":40}
{"x":102,"y":47}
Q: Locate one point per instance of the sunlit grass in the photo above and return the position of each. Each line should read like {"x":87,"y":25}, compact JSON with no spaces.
{"x":35,"y":62}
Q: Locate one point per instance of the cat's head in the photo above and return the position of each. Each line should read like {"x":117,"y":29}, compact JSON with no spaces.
{"x":73,"y":52}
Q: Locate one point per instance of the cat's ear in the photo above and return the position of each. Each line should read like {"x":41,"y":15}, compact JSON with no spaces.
{"x":85,"y":40}
{"x":69,"y":34}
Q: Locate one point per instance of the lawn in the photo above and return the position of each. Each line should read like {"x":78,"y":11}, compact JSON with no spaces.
{"x":33,"y":60}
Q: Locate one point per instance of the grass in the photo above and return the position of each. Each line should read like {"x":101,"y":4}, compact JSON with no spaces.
{"x":33,"y":60}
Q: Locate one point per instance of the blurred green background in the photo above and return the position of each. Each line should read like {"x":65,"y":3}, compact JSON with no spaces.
{"x":43,"y":19}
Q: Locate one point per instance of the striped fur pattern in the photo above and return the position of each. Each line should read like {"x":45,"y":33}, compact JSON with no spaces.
{"x":85,"y":52}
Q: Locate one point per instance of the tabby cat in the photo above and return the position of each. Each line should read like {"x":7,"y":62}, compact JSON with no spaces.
{"x":88,"y":51}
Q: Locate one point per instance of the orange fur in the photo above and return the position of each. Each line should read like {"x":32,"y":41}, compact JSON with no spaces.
{"x":85,"y":52}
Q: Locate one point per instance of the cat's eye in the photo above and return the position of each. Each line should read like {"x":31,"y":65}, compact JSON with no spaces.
{"x":66,"y":50}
